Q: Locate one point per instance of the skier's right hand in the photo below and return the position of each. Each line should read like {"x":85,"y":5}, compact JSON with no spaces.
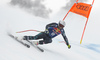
{"x":46,"y":31}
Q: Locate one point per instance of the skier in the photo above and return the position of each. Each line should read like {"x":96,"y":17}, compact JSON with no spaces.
{"x":52,"y":30}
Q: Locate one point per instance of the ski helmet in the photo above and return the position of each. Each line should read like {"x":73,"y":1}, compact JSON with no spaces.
{"x":61,"y":22}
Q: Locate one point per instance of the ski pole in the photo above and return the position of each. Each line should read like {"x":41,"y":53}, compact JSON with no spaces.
{"x":28,"y":30}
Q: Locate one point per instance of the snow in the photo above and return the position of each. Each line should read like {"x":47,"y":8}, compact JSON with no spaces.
{"x":13,"y":19}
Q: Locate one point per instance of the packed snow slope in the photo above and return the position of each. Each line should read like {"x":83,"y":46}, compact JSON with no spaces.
{"x":13,"y":19}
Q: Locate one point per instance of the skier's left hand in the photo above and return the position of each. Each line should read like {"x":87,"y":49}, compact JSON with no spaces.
{"x":69,"y":46}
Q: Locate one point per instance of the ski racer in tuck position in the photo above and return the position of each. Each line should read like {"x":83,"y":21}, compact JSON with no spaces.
{"x":52,"y":30}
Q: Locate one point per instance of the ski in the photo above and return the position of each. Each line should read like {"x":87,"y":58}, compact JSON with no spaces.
{"x":37,"y":47}
{"x":28,"y":46}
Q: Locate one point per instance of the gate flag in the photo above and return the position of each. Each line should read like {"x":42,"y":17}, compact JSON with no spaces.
{"x":82,"y":9}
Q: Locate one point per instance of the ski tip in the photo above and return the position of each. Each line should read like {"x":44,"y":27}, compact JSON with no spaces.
{"x":42,"y":50}
{"x":28,"y":46}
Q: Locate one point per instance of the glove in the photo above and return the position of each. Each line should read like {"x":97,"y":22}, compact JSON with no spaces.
{"x":46,"y":31}
{"x":69,"y":46}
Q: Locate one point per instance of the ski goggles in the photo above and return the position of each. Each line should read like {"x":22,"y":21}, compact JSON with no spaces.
{"x":61,"y":25}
